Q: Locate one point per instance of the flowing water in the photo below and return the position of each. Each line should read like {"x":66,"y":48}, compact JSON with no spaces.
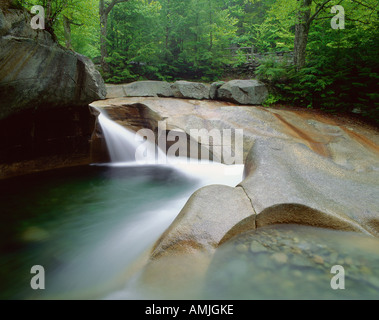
{"x":89,"y":226}
{"x":92,"y":227}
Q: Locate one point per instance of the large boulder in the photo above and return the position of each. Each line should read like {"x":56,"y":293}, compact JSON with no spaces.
{"x":148,"y":89}
{"x":301,"y":168}
{"x":45,"y":91}
{"x":140,"y":89}
{"x":190,"y":90}
{"x":246,"y":92}
{"x":213,"y":94}
{"x":37,"y":72}
{"x":115,"y":91}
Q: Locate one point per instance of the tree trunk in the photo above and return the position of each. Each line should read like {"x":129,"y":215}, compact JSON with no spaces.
{"x":67,"y":32}
{"x":104,"y":11}
{"x":211,"y":26}
{"x":301,"y":33}
{"x":49,"y":19}
{"x":103,"y":37}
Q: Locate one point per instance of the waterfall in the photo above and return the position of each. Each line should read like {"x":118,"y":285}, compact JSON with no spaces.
{"x":125,"y":146}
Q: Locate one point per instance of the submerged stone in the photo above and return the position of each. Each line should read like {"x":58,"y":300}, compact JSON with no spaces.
{"x":280,"y":274}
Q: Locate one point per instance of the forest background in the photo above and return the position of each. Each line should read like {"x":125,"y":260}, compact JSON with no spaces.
{"x":291,"y":43}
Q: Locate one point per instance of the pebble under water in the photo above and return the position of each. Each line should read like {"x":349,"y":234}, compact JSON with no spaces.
{"x":294,"y":262}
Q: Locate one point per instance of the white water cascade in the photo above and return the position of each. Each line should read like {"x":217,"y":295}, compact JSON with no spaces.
{"x":120,"y":141}
{"x":123,"y":144}
{"x":139,"y":233}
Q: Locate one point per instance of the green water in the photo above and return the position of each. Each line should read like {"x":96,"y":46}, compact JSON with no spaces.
{"x":87,"y":226}
{"x":83,"y":225}
{"x":295,"y":262}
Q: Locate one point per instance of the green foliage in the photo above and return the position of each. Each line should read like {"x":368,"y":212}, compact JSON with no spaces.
{"x":272,"y":71}
{"x":169,"y":39}
{"x":85,"y":22}
{"x":339,"y":80}
{"x":342,"y":70}
{"x":189,"y":39}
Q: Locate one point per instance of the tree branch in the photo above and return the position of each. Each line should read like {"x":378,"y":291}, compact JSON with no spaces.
{"x":318,"y":11}
{"x":363,"y":4}
{"x":112,"y":4}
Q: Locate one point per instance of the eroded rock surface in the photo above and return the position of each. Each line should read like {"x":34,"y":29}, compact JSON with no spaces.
{"x":301,"y":167}
{"x":204,"y":220}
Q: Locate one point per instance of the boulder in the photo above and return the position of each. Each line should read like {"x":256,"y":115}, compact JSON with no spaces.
{"x":190,"y":90}
{"x":148,"y":89}
{"x":246,"y":92}
{"x":140,"y":89}
{"x":115,"y":91}
{"x":301,"y":168}
{"x":191,"y":240}
{"x":45,"y":89}
{"x":214,"y":89}
{"x":38,"y":73}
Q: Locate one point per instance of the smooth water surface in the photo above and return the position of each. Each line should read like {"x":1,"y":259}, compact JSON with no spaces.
{"x":86,"y":226}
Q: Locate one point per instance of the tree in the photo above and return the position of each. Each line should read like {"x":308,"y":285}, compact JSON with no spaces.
{"x":54,"y":11}
{"x":310,"y":10}
{"x":53,"y":8}
{"x":304,"y":21}
{"x":67,"y":22}
{"x":104,"y":9}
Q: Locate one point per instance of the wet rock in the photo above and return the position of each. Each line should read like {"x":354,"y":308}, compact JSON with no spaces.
{"x":300,"y":167}
{"x":257,"y":247}
{"x":318,"y":259}
{"x":300,"y":261}
{"x":242,"y":248}
{"x":309,"y":189}
{"x":279,"y":274}
{"x":280,"y":258}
